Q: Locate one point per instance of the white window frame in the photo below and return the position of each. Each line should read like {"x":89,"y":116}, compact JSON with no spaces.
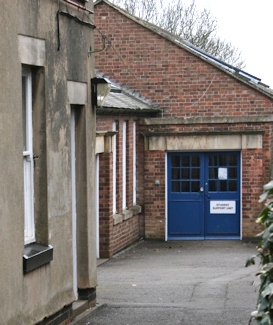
{"x":114,"y":128}
{"x":29,"y":222}
{"x":134,"y":163}
{"x":98,"y":205}
{"x":124,"y":165}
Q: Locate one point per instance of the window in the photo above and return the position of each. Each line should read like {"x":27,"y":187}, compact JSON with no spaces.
{"x":114,"y":128}
{"x":28,"y":161}
{"x":134,"y":163}
{"x":124,"y":156}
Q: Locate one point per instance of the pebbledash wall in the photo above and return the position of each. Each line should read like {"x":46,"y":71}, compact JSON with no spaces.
{"x":47,"y":81}
{"x":206,"y":108}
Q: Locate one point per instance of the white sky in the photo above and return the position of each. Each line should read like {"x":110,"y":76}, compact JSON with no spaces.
{"x":248,"y":25}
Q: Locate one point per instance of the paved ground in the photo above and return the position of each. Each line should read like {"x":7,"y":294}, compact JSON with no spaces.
{"x":189,"y":282}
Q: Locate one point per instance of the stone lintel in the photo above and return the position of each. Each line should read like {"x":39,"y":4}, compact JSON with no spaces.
{"x":206,"y":120}
{"x":77,"y":93}
{"x":31,"y":51}
{"x":200,"y":142}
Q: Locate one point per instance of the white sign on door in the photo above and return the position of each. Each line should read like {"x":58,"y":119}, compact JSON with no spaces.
{"x":222,"y":173}
{"x":222,"y":207}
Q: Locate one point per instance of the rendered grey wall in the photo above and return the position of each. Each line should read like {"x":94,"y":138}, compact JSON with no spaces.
{"x":28,"y":298}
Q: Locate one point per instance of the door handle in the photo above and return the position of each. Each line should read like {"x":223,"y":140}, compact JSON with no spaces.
{"x":201,"y":189}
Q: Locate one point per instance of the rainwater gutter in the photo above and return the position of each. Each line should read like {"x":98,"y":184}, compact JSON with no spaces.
{"x":78,"y":6}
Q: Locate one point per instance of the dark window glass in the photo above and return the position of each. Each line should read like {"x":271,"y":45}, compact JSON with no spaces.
{"x":175,"y":173}
{"x":175,"y":186}
{"x":195,"y":186}
{"x":185,"y":173}
{"x":195,"y":161}
{"x":213,"y":173}
{"x":185,"y":186}
{"x":223,"y":160}
{"x":186,"y":161}
{"x":212,"y":186}
{"x":233,"y":160}
{"x":232,"y":173}
{"x":195,"y":173}
{"x":233,"y":186}
{"x":212,"y":160}
{"x":175,"y":161}
{"x":223,"y":186}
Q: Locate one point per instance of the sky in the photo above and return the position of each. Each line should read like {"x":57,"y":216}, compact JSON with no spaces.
{"x":247,"y":25}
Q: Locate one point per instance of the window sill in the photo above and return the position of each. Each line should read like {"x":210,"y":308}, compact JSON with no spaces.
{"x":127,"y":214}
{"x":36,"y":255}
{"x":136,"y":209}
{"x":118,"y":218}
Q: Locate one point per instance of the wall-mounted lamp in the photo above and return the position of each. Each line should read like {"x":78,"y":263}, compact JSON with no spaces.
{"x":100,"y":89}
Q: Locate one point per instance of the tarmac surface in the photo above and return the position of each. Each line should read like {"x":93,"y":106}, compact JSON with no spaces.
{"x":185,"y":282}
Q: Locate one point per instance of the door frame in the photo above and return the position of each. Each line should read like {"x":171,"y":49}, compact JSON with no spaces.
{"x":166,"y":186}
{"x":74,"y":202}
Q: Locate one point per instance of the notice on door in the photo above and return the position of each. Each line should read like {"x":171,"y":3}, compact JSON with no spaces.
{"x":222,"y":207}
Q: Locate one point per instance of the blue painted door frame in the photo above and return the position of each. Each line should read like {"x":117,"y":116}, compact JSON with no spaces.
{"x":203,"y":195}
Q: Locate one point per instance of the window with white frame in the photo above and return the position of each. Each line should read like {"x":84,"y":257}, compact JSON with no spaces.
{"x":124,"y":130}
{"x":134,"y":163}
{"x":114,"y":128}
{"x":28,"y":164}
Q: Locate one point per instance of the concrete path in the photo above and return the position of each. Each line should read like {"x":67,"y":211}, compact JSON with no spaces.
{"x":189,"y":282}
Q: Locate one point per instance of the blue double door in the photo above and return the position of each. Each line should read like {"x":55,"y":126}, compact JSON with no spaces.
{"x":203,"y":195}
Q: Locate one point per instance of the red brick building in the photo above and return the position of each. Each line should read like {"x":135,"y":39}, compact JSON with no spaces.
{"x":202,"y":162}
{"x":120,"y":219}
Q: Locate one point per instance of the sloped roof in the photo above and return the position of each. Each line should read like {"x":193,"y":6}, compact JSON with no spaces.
{"x":236,"y":73}
{"x":121,"y":100}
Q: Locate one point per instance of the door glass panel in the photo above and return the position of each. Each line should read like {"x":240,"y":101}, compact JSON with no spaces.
{"x":195,"y":173}
{"x":175,"y":161}
{"x":213,"y":173}
{"x":212,"y":160}
{"x":223,"y":186}
{"x":233,"y":160}
{"x":186,"y":161}
{"x":195,"y":161}
{"x":175,"y":173}
{"x":185,"y":186}
{"x":185,"y":173}
{"x":175,"y":186}
{"x":232,"y":173}
{"x":212,"y":186}
{"x":223,"y":160}
{"x":232,"y":186}
{"x":195,"y":186}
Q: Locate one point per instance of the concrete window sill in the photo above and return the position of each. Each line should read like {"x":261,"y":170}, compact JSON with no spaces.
{"x":136,"y":209}
{"x":118,"y":218}
{"x":36,"y":255}
{"x":127,"y":214}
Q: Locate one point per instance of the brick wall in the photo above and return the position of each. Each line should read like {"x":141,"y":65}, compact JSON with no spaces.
{"x":184,"y":86}
{"x":177,"y":80}
{"x":114,"y":237}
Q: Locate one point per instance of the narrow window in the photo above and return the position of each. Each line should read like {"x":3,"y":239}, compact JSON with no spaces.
{"x":98,"y":204}
{"x":29,"y":226}
{"x":134,"y":163}
{"x":114,"y":128}
{"x":124,"y":165}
